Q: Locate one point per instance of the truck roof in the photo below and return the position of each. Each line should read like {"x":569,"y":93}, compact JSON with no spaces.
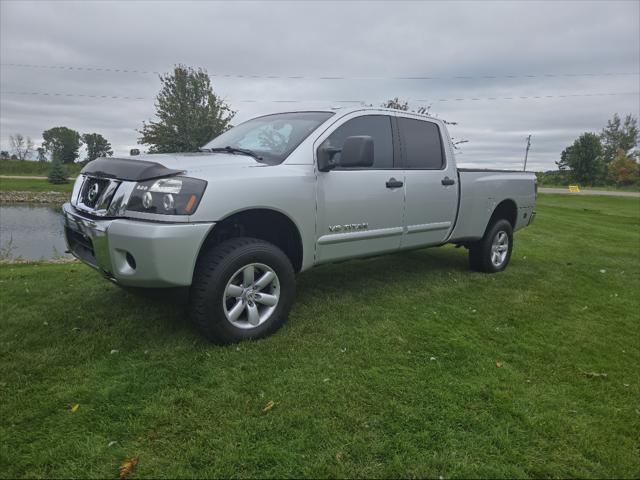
{"x":347,"y":110}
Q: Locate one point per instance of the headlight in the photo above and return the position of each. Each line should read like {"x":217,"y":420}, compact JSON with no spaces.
{"x":168,"y":196}
{"x":76,"y":189}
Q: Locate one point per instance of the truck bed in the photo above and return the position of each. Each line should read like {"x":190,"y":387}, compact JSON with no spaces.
{"x":481,"y":190}
{"x":499,"y":170}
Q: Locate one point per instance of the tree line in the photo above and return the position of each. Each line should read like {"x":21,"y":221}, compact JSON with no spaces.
{"x":608,"y":158}
{"x":63,"y":145}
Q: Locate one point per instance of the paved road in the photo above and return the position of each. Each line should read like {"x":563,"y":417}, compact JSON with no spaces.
{"x":605,"y":193}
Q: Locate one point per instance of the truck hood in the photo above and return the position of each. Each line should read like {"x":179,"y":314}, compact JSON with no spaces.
{"x":194,"y":162}
{"x":147,"y":167}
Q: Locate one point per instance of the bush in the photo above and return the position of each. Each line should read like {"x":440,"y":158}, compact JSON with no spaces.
{"x":57,"y":174}
{"x":552,"y":178}
{"x":623,"y":170}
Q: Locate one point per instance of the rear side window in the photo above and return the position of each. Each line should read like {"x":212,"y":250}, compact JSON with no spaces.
{"x":376,"y":126}
{"x":421,"y":144}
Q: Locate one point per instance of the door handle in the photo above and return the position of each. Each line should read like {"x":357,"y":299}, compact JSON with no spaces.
{"x":448,"y":181}
{"x":393,"y":183}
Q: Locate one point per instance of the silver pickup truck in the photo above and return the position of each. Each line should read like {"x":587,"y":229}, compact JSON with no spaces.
{"x":279,"y":194}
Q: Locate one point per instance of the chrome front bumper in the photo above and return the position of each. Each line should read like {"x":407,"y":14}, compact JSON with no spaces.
{"x":134,"y":252}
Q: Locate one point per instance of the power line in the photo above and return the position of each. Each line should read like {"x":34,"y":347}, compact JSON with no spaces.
{"x":357,"y":102}
{"x":322,"y":77}
{"x":81,"y":68}
{"x":57,"y":94}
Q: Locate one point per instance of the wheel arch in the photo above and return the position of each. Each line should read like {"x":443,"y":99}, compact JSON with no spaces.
{"x":266,"y":224}
{"x":507,"y":210}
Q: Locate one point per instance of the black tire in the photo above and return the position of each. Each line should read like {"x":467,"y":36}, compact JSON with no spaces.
{"x":218,"y":266}
{"x":480,"y":252}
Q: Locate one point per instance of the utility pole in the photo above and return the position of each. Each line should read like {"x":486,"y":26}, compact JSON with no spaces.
{"x":526,"y":153}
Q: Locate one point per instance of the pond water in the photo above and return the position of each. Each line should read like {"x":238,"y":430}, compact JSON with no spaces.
{"x":31,"y":232}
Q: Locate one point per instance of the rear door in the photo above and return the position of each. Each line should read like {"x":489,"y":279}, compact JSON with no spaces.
{"x":430,"y":183}
{"x":360,"y":210}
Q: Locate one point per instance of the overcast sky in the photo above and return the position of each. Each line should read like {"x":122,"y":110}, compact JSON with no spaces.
{"x":503,"y":49}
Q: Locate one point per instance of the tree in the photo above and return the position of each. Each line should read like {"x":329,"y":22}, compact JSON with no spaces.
{"x":397,"y":104}
{"x":57,"y":172}
{"x":62,"y":143}
{"x":189,"y":113}
{"x":21,"y":146}
{"x":4,"y":155}
{"x":584,"y":158}
{"x":41,"y":154}
{"x":619,"y":136}
{"x":563,"y":163}
{"x":623,"y":170}
{"x":97,"y":146}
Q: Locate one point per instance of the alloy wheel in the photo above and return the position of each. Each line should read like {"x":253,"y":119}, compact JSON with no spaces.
{"x":251,"y":295}
{"x":499,"y":248}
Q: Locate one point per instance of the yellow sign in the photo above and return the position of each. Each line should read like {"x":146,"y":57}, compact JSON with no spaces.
{"x":574,"y":189}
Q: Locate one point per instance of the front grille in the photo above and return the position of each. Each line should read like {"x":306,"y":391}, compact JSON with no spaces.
{"x":92,"y":191}
{"x":96,"y":195}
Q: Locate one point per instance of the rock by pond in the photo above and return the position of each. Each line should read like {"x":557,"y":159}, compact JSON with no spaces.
{"x":34,"y":197}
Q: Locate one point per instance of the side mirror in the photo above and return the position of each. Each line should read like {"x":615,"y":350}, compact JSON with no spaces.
{"x":357,"y":151}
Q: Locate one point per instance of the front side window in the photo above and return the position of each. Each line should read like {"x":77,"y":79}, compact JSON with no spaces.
{"x":376,"y":126}
{"x":421,"y":144}
{"x":273,"y":137}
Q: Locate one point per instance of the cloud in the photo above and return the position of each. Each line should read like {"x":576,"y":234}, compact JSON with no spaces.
{"x":370,"y":44}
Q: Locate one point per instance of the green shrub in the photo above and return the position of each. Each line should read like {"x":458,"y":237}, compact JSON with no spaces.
{"x":57,"y":173}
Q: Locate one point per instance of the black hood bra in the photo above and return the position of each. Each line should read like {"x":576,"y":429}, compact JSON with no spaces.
{"x":126,"y":169}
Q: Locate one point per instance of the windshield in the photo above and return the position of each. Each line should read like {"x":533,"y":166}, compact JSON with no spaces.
{"x":273,"y":137}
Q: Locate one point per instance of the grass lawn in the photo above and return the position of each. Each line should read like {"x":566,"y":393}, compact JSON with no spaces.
{"x":33,"y":185}
{"x":609,"y":188}
{"x":387,"y":367}
{"x":27,"y":167}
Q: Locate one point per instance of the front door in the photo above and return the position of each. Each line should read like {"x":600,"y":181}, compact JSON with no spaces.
{"x":360,"y":210}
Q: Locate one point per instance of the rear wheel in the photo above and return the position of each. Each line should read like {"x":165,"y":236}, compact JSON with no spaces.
{"x":242,"y":289}
{"x":493,"y":252}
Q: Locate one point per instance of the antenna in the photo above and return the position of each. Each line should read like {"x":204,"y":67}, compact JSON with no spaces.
{"x":526,"y":153}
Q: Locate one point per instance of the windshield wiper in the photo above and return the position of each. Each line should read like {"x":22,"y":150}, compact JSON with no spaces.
{"x":228,"y":149}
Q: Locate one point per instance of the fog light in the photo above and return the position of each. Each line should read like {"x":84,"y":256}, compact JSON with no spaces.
{"x":130,"y":260}
{"x":168,"y":202}
{"x":147,"y":200}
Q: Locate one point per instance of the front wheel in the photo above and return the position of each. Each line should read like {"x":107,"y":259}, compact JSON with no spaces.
{"x":492,"y":253}
{"x":242,"y":289}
